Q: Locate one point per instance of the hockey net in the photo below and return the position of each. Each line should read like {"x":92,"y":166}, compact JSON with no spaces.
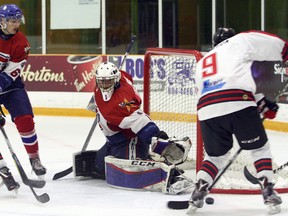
{"x":170,"y":99}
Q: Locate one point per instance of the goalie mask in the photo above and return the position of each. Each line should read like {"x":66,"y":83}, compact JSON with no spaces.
{"x":107,"y":78}
{"x":10,"y":12}
{"x":222,"y":34}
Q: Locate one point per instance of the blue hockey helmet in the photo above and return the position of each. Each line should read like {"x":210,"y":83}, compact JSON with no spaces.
{"x":11,"y":12}
{"x":222,"y":34}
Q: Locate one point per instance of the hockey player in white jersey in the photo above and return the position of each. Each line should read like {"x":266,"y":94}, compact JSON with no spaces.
{"x":228,"y":103}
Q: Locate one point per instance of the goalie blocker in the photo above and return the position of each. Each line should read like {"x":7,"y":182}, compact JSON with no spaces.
{"x":133,"y":174}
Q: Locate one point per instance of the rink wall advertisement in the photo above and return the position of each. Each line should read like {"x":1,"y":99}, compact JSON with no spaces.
{"x":72,"y":73}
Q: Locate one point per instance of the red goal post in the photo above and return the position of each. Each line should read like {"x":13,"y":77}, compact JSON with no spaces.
{"x":171,"y":101}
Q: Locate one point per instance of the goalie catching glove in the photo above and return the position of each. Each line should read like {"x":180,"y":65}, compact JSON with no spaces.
{"x":173,"y":150}
{"x":266,"y":107}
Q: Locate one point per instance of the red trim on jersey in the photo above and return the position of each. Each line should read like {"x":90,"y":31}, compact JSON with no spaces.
{"x":225,"y":96}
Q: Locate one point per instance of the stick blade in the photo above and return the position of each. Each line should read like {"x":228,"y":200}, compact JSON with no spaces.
{"x":63,"y":173}
{"x":178,"y":205}
{"x":250,"y":177}
{"x":43,"y":198}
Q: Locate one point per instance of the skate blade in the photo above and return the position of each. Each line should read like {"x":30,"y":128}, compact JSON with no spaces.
{"x":41,"y":177}
{"x":191,"y":209}
{"x":2,"y":183}
{"x":274,"y":209}
{"x":16,"y":192}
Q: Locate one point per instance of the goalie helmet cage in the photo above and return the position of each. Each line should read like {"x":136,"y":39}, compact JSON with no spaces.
{"x":170,"y":99}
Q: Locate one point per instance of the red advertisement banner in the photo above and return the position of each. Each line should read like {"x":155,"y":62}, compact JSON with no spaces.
{"x":61,"y":73}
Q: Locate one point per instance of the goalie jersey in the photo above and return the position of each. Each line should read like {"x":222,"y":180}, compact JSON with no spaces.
{"x":121,"y":118}
{"x":230,"y":87}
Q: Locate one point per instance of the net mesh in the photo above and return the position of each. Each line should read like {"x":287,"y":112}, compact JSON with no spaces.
{"x":172,"y":96}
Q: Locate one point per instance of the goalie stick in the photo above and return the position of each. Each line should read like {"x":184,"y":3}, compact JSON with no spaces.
{"x":185,"y":204}
{"x":130,"y":45}
{"x":70,"y":169}
{"x":43,"y":198}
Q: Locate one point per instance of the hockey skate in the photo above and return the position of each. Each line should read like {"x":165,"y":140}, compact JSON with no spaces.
{"x":197,"y":199}
{"x":8,"y":179}
{"x":178,"y":182}
{"x":37,"y":167}
{"x":270,"y":196}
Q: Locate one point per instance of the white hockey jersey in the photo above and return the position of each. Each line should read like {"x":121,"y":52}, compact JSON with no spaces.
{"x":223,"y":76}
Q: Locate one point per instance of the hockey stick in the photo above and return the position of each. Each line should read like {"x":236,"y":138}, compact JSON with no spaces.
{"x":26,"y":181}
{"x":185,"y":204}
{"x":130,"y":45}
{"x":70,"y":169}
{"x":251,"y":178}
{"x":43,"y":198}
{"x":254,"y":180}
{"x":280,"y":168}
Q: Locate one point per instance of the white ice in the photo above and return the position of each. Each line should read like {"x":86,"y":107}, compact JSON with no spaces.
{"x":60,"y":137}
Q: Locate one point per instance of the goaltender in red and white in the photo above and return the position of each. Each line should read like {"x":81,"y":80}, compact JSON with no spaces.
{"x":124,"y":160}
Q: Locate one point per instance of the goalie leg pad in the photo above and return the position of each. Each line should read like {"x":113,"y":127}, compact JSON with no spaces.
{"x":83,"y":163}
{"x":145,"y":175}
{"x":137,"y":174}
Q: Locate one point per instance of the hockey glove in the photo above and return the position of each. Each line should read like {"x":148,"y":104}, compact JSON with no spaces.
{"x":162,"y":135}
{"x":173,"y":150}
{"x":267,"y":108}
{"x":2,"y":121}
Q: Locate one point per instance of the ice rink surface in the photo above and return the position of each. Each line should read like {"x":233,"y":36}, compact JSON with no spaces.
{"x":60,"y":137}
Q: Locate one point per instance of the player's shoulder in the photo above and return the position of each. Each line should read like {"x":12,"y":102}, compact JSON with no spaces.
{"x":258,"y":34}
{"x":20,"y":39}
{"x":20,"y":36}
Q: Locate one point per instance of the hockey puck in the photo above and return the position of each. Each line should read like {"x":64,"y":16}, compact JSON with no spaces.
{"x":209,"y":200}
